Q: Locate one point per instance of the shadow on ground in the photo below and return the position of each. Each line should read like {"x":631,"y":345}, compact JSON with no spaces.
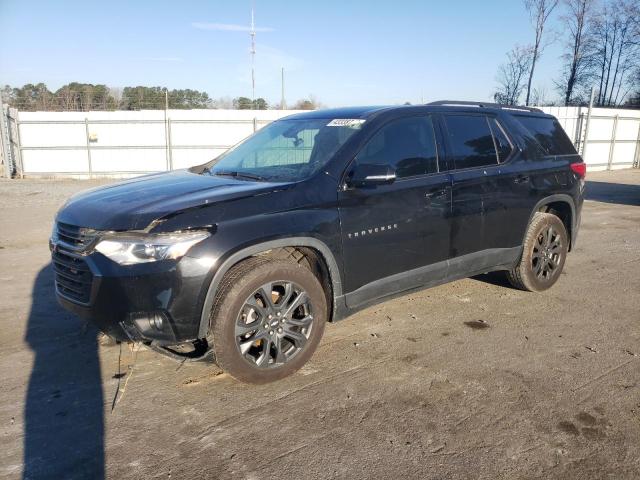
{"x":64,"y":426}
{"x":498,"y":279}
{"x":618,"y":193}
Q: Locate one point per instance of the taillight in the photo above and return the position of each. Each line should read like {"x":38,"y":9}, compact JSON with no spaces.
{"x":579,"y":168}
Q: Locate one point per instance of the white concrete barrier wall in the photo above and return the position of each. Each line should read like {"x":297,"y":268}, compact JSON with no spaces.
{"x":614,"y":135}
{"x":125,"y":143}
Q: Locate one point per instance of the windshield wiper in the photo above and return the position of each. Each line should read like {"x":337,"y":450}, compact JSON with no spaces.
{"x":235,"y":174}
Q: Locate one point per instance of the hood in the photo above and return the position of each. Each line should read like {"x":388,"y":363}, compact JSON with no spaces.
{"x":134,"y":204}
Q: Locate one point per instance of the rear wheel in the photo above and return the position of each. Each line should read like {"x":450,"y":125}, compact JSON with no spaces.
{"x":543,"y":255}
{"x":267,"y":320}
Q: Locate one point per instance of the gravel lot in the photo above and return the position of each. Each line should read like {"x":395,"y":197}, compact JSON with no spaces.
{"x":468,"y":380}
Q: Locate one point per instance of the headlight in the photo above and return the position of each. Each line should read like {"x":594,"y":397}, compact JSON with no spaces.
{"x":132,"y":249}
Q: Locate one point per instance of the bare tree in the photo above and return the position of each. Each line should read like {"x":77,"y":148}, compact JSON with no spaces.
{"x":539,"y":97}
{"x":628,"y":57}
{"x":633,"y":99}
{"x":539,"y":12}
{"x":617,"y":50}
{"x":578,"y":21}
{"x":512,"y":75}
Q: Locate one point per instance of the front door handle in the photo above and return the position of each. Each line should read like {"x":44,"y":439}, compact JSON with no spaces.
{"x":436,"y":194}
{"x":521,"y":179}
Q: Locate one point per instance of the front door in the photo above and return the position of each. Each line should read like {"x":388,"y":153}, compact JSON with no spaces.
{"x":396,"y":236}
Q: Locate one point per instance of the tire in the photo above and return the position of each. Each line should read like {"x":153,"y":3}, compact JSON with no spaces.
{"x":543,"y":254}
{"x":259,"y":338}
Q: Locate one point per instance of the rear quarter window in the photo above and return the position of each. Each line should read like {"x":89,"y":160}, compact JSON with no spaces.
{"x":503,"y":144}
{"x":549,"y":134}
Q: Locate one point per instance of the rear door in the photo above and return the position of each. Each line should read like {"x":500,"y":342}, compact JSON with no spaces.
{"x":391,"y":230}
{"x":485,"y":190}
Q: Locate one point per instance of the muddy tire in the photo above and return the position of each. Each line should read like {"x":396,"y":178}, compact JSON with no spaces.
{"x":267,"y":319}
{"x":543,"y":255}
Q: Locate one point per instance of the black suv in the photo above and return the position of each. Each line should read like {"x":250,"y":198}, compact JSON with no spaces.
{"x":314,"y":217}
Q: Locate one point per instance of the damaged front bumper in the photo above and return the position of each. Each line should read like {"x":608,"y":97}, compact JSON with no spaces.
{"x":158,"y":302}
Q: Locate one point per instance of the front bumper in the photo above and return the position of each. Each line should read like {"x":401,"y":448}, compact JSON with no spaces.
{"x":157,"y":301}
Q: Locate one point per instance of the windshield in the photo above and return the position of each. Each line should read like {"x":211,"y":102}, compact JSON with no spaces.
{"x":286,"y":150}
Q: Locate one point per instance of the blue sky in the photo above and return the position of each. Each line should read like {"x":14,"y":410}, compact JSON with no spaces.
{"x":343,"y":52}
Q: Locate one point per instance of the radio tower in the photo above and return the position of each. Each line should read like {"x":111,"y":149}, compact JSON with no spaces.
{"x":252,"y":33}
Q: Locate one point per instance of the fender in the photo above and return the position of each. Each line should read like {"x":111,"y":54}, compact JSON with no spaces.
{"x":325,"y":251}
{"x":559,"y":197}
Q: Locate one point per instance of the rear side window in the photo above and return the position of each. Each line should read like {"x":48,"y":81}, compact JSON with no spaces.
{"x":549,"y":134}
{"x":471,"y":141}
{"x":408,"y":144}
{"x":503,"y":144}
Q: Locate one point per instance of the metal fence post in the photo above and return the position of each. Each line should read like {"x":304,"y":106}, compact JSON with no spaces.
{"x":86,"y":129}
{"x":636,"y":160}
{"x":19,"y":164}
{"x":577,"y":133}
{"x":4,"y":142}
{"x":613,"y":141}
{"x":169,"y":148}
{"x":255,"y":124}
{"x":586,"y":127}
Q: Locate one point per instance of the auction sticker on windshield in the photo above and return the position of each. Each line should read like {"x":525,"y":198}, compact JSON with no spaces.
{"x":346,"y":122}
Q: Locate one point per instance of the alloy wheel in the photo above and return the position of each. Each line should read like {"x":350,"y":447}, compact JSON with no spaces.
{"x":547,"y":253}
{"x":274,"y":324}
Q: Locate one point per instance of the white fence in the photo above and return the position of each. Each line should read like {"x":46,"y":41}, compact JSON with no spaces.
{"x":124,"y":143}
{"x":611,"y":140}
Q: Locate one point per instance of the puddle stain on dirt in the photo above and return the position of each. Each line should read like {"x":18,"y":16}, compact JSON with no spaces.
{"x":590,"y":430}
{"x":586,"y":419}
{"x":568,"y":427}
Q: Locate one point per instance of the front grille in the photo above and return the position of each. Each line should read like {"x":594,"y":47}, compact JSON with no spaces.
{"x":75,"y":238}
{"x":73,"y":276}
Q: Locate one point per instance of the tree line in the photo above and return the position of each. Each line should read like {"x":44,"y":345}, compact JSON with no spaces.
{"x":601,"y":49}
{"x":86,"y":96}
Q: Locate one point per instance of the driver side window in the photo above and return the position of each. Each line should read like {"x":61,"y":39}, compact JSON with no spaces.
{"x":407,"y":144}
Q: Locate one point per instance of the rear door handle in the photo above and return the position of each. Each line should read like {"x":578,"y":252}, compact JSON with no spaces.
{"x":521,"y":179}
{"x":436,"y":194}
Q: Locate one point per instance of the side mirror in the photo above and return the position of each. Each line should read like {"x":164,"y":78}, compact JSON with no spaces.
{"x":366,"y":175}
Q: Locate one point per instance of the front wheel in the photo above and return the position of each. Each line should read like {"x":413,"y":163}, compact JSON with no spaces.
{"x":267,"y":320}
{"x":543,"y":255}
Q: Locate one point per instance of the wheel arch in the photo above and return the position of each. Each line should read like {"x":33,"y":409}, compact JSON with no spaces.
{"x":551,"y":204}
{"x":304,"y":242}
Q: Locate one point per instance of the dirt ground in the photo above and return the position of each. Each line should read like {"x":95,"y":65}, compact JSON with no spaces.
{"x":468,"y":380}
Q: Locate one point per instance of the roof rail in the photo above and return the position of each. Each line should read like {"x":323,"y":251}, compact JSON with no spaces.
{"x":460,"y":103}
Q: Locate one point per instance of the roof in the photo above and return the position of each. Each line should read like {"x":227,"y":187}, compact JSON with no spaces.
{"x":344,"y":112}
{"x":498,"y":106}
{"x":368,"y":111}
